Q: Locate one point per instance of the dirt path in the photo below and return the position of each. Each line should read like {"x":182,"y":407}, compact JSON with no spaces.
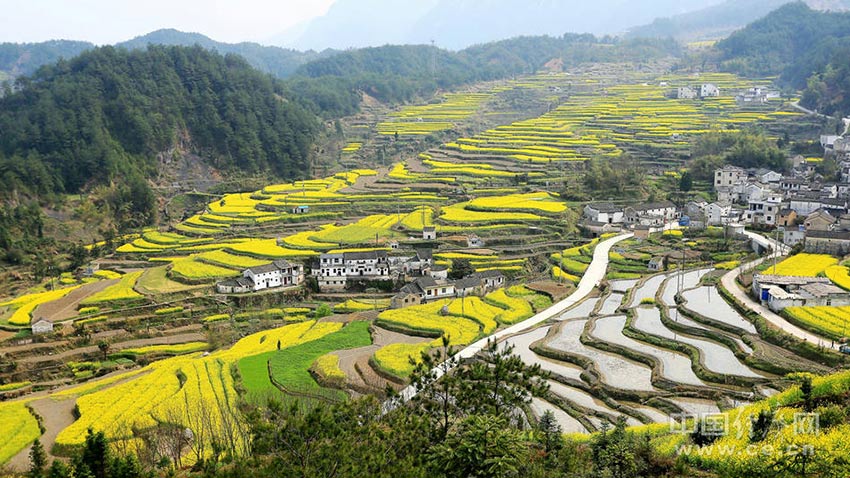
{"x":166,"y":340}
{"x":56,"y":415}
{"x":31,"y":347}
{"x":353,"y":359}
{"x":66,"y":307}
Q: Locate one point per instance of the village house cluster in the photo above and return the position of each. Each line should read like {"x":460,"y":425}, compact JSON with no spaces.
{"x":799,"y":205}
{"x":336,"y":272}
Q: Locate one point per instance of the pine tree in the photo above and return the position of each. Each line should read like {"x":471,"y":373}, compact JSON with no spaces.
{"x":38,"y":460}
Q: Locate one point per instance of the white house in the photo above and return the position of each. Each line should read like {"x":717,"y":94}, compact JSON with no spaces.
{"x":336,"y":269}
{"x":42,"y":326}
{"x":685,"y":93}
{"x":707,"y":90}
{"x":779,"y":292}
{"x":716,"y":214}
{"x":429,"y":233}
{"x":806,"y":204}
{"x":791,"y":236}
{"x":606,"y":213}
{"x":729,"y":176}
{"x":764,"y":211}
{"x":767,"y":176}
{"x":652,"y":214}
{"x":753,"y":192}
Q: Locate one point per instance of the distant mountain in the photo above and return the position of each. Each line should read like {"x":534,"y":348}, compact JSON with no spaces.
{"x":456,"y":24}
{"x":280,"y":62}
{"x":17,"y":59}
{"x":718,"y":21}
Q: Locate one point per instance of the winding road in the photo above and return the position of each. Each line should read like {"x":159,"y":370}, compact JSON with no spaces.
{"x":590,"y":280}
{"x":729,"y":282}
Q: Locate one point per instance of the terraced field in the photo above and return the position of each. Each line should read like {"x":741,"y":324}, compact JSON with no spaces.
{"x":603,"y":349}
{"x":494,"y":183}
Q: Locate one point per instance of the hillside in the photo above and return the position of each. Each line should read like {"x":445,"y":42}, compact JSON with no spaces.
{"x":716,"y":21}
{"x":808,"y":49}
{"x":400,"y":73}
{"x":108,"y":112}
{"x":792,"y":41}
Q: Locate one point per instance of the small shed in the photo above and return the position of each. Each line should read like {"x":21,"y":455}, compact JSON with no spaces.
{"x":429,"y":233}
{"x":301,"y":209}
{"x":656,"y":264}
{"x":642,"y":231}
{"x":734,"y":230}
{"x":42,"y":326}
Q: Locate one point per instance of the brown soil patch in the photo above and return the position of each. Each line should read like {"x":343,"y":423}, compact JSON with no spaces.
{"x":66,"y":307}
{"x":554,"y":289}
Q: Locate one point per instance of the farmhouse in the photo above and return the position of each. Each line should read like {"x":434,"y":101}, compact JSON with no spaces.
{"x":650,"y":214}
{"x":422,"y":290}
{"x":279,"y":273}
{"x":819,"y":220}
{"x":419,"y":264}
{"x":779,"y":292}
{"x":708,"y":90}
{"x":717,"y":213}
{"x":828,"y":242}
{"x":685,"y":93}
{"x":427,"y":288}
{"x":604,"y":212}
{"x":42,"y":326}
{"x":335,"y":270}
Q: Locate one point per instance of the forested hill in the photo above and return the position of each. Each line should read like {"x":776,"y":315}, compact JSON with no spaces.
{"x":400,"y":73}
{"x":105,"y":115}
{"x":793,"y":41}
{"x":807,"y":48}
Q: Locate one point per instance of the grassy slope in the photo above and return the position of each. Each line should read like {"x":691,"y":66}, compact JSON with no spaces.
{"x":290,"y":365}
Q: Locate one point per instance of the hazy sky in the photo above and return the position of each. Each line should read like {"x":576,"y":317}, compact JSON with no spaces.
{"x":111,"y":21}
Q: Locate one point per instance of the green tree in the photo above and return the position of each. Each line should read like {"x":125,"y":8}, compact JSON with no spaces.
{"x":94,"y":458}
{"x":38,"y":460}
{"x":461,"y":268}
{"x":437,"y":388}
{"x":686,"y":182}
{"x":480,"y":446}
{"x":548,"y":433}
{"x":498,"y":381}
{"x":806,"y":391}
{"x":323,"y":310}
